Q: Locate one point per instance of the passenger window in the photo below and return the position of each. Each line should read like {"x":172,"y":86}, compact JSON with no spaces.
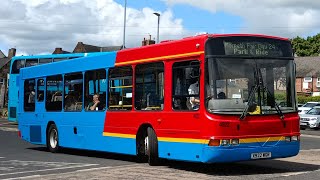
{"x":73,"y":92}
{"x":185,"y":92}
{"x":149,"y":87}
{"x":95,"y":90}
{"x":29,"y":95}
{"x":31,"y":62}
{"x":40,"y":90}
{"x":17,"y":65}
{"x":54,"y":93}
{"x":120,"y":88}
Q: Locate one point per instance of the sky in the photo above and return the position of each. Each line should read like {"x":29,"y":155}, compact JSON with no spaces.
{"x":39,"y":26}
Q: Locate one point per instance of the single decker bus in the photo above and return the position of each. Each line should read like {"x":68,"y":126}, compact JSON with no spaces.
{"x":209,"y":98}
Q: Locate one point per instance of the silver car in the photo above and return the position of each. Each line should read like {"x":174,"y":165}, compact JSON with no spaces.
{"x":310,"y":119}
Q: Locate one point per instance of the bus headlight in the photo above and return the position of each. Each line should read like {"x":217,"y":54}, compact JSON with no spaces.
{"x":295,"y":138}
{"x":225,"y":142}
{"x":234,"y":142}
{"x":288,"y":138}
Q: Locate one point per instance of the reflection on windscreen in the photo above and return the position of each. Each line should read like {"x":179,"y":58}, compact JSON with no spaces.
{"x":230,"y":83}
{"x":314,"y":111}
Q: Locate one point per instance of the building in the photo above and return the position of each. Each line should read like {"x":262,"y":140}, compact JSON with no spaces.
{"x":4,"y":71}
{"x":86,"y":48}
{"x":308,"y":75}
{"x":59,"y":50}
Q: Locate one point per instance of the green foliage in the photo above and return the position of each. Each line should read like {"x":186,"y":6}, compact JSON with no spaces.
{"x":306,"y":47}
{"x":303,"y":99}
{"x":280,"y":96}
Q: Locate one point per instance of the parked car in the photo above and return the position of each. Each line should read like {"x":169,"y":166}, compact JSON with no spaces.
{"x":310,"y":119}
{"x":307,"y":106}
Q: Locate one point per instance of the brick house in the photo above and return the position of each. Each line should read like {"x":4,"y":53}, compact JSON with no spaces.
{"x":86,"y":48}
{"x":308,"y":75}
{"x":4,"y":71}
{"x":59,"y":50}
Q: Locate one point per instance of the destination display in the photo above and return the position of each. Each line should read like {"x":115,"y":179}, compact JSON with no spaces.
{"x":252,"y":48}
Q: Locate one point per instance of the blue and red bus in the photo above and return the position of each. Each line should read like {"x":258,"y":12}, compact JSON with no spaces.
{"x":19,"y":62}
{"x":141,"y":99}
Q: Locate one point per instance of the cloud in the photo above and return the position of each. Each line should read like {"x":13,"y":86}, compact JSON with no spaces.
{"x":276,"y":17}
{"x":38,"y":26}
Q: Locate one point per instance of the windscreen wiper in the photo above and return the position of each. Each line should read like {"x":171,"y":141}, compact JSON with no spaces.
{"x":249,"y":103}
{"x":276,"y":106}
{"x":258,"y":87}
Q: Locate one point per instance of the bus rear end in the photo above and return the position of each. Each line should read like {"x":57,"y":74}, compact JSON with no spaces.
{"x":13,"y":93}
{"x":250,"y":99}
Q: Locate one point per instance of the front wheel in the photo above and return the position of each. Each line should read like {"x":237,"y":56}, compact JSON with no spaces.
{"x":151,"y":142}
{"x":52,"y":139}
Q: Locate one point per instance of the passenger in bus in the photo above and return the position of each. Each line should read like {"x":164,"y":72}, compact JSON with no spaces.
{"x":194,"y":100}
{"x":95,"y":105}
{"x":221,"y":95}
{"x":31,"y":94}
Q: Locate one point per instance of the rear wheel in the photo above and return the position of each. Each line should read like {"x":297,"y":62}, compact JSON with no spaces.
{"x":151,"y":145}
{"x":52,"y":139}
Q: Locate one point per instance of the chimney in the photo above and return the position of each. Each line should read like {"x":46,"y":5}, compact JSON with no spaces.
{"x":147,"y":42}
{"x":57,"y":51}
{"x":12,"y":52}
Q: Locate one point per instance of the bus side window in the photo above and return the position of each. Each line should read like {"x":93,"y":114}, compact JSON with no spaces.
{"x":73,"y":84}
{"x":185,"y":84}
{"x":95,"y":90}
{"x":120,"y":88}
{"x":54,"y":90}
{"x":29,"y":95}
{"x":149,"y":87}
{"x":40,"y":90}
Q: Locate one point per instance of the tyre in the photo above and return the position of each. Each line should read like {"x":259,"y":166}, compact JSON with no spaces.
{"x":53,"y":139}
{"x":151,"y":142}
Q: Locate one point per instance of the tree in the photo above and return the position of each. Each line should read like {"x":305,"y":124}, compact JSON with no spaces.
{"x":306,"y":47}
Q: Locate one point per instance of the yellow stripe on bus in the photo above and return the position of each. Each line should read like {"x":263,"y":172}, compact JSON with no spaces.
{"x":262,"y":139}
{"x":198,"y":141}
{"x":162,"y":58}
{"x":182,"y":140}
{"x":131,"y":136}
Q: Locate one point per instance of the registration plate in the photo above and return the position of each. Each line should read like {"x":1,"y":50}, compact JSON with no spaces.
{"x":303,"y":124}
{"x":261,"y":155}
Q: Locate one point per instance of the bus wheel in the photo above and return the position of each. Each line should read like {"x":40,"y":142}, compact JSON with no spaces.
{"x":151,"y":142}
{"x":52,"y":139}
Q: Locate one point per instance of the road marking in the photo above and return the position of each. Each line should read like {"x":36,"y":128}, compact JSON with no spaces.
{"x":308,"y":150}
{"x":312,"y":136}
{"x":2,"y":157}
{"x":24,"y":177}
{"x":8,"y":129}
{"x":93,"y":169}
{"x":52,"y":169}
{"x":295,"y":173}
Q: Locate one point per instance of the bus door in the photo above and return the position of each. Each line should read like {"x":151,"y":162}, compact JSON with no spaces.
{"x":186,"y":97}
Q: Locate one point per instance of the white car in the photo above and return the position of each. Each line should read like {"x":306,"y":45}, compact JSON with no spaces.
{"x":307,"y":106}
{"x":311,"y":119}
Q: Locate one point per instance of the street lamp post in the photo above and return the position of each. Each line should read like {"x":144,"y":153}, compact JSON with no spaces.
{"x":157,"y":14}
{"x":124,"y":24}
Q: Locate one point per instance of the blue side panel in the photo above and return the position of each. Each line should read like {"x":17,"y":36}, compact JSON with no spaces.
{"x":35,"y":134}
{"x":180,"y":151}
{"x":206,"y":154}
{"x":88,"y":135}
{"x":243,"y":153}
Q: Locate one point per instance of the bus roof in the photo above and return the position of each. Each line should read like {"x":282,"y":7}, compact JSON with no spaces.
{"x":104,"y":60}
{"x":44,"y":56}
